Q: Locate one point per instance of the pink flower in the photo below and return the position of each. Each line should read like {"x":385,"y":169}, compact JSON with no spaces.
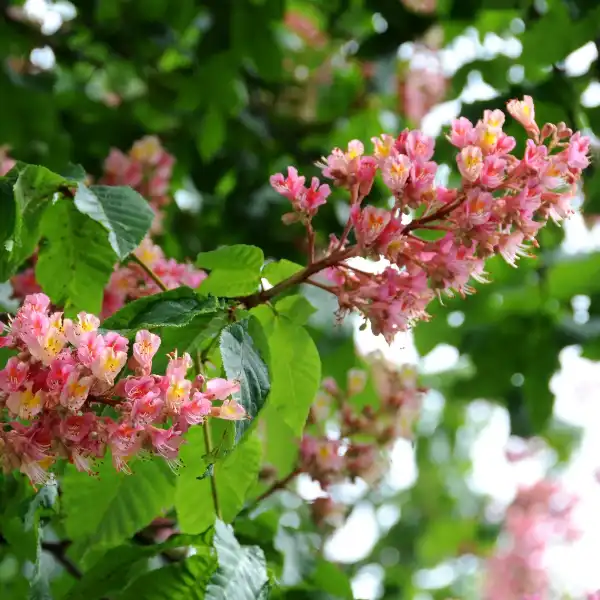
{"x":492,"y":173}
{"x":138,"y":387}
{"x":524,"y":112}
{"x":470,"y":163}
{"x":145,"y":347}
{"x":290,"y":186}
{"x":461,"y":134}
{"x":384,"y":147}
{"x":36,"y":303}
{"x":108,"y":364}
{"x":195,"y":411}
{"x":395,"y":172}
{"x":230,"y":410}
{"x":146,"y":409}
{"x":26,"y":404}
{"x":75,"y":391}
{"x":311,"y":198}
{"x":419,"y":147}
{"x":177,"y":393}
{"x":368,"y":223}
{"x":577,"y":151}
{"x":116,"y":341}
{"x":179,"y":366}
{"x":494,"y":119}
{"x":365,"y":175}
{"x":220,"y":389}
{"x":90,"y":347}
{"x":74,"y":428}
{"x":14,"y":375}
{"x":85,"y":323}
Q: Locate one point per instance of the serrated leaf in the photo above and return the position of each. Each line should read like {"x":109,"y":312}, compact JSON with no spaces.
{"x":294,"y":367}
{"x":124,"y":214}
{"x":234,"y":477}
{"x":242,"y":361}
{"x":111,"y":508}
{"x":235,"y":270}
{"x":76,"y":261}
{"x":185,"y":580}
{"x":114,"y":570}
{"x":34,"y":189}
{"x":174,"y":308}
{"x":242,"y":571}
{"x":296,"y":308}
{"x":277,"y":271}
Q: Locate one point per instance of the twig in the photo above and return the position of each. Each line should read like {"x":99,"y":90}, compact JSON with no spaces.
{"x":322,"y":286}
{"x":278,"y":485}
{"x":58,"y":551}
{"x":157,"y":280}
{"x":311,"y":243}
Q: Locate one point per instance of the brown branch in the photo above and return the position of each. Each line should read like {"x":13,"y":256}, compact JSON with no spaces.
{"x":58,"y":550}
{"x":280,"y":484}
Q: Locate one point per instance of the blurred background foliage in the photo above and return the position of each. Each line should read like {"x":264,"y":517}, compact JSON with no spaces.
{"x":239,"y":89}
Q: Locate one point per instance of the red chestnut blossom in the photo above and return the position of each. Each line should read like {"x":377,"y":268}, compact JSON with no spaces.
{"x":499,"y":207}
{"x":65,"y":371}
{"x":539,"y":516}
{"x":6,"y":162}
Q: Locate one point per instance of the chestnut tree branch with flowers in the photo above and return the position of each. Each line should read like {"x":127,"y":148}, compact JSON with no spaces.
{"x":196,"y":394}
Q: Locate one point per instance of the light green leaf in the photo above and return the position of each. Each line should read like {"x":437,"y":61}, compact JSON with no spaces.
{"x":242,"y":361}
{"x":234,"y":477}
{"x":235,"y":270}
{"x":242,"y":572}
{"x":76,"y":261}
{"x":279,"y":270}
{"x":174,"y":308}
{"x":295,"y":369}
{"x":111,"y":508}
{"x":296,"y":308}
{"x":124,"y":214}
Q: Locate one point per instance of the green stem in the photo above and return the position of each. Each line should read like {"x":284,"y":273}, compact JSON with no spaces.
{"x":157,"y":280}
{"x":208,"y":445}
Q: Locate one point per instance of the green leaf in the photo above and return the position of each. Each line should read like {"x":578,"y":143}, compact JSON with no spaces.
{"x":174,"y":308}
{"x":242,"y":361}
{"x":235,"y":270}
{"x":242,"y":572}
{"x":296,"y":308}
{"x":234,"y":477}
{"x":115,"y":569}
{"x":120,"y":210}
{"x":295,"y":369}
{"x":111,"y":508}
{"x":33,"y":191}
{"x":213,"y":131}
{"x":76,"y":261}
{"x":185,"y":580}
{"x":279,"y":270}
{"x":329,"y":578}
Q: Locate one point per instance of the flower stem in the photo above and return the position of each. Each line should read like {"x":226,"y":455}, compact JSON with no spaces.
{"x":157,"y":280}
{"x":278,"y":485}
{"x":208,"y":444}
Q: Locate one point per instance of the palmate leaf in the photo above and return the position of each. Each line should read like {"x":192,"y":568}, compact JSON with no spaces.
{"x":75,"y":261}
{"x":242,"y":361}
{"x":124,"y":214}
{"x":111,"y":508}
{"x":242,"y":571}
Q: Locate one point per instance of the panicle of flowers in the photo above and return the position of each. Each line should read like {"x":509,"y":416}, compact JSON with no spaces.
{"x":130,"y":281}
{"x":65,"y":371}
{"x":147,"y":168}
{"x":127,"y":282}
{"x":498,"y":208}
{"x":365,"y":435}
{"x":539,"y":516}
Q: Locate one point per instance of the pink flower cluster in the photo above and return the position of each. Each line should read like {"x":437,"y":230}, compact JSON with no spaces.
{"x":65,"y":371}
{"x":365,"y":435}
{"x":539,"y":515}
{"x":130,"y":282}
{"x":147,"y":168}
{"x":420,"y":6}
{"x":499,"y":207}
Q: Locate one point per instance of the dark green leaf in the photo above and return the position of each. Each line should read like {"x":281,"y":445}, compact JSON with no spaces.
{"x":124,"y":214}
{"x":76,"y":261}
{"x":242,"y":361}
